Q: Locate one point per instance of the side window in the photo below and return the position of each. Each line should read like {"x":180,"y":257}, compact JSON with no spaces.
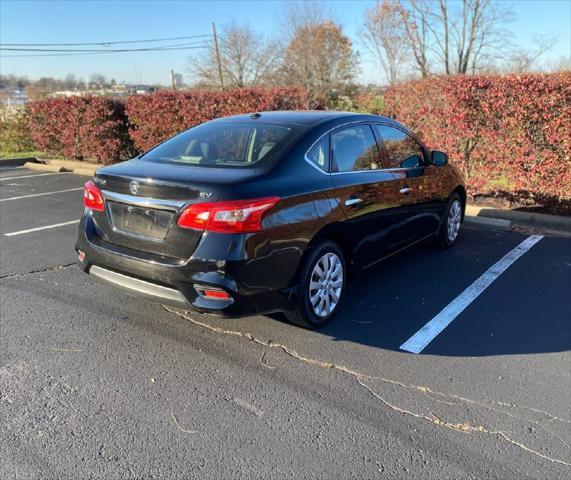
{"x":402,"y":150}
{"x":319,"y":154}
{"x":354,"y":148}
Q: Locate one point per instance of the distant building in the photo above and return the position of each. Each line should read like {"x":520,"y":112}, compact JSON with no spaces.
{"x":13,"y":97}
{"x":69,"y":93}
{"x":141,"y":89}
{"x":113,"y":91}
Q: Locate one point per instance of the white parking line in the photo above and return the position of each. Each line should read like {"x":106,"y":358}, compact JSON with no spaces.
{"x":426,"y":334}
{"x":40,"y":194}
{"x":38,"y":175}
{"x":11,"y":234}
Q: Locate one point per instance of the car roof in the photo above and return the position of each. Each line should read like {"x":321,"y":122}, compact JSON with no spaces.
{"x":301,"y":117}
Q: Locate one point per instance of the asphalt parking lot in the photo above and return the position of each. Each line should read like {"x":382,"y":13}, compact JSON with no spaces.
{"x":96,"y":384}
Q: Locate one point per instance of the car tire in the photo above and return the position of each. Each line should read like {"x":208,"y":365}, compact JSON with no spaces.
{"x":312,"y":302}
{"x":451,"y":223}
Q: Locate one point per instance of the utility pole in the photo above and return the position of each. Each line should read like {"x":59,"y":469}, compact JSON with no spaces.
{"x":173,"y":80}
{"x":217,"y":56}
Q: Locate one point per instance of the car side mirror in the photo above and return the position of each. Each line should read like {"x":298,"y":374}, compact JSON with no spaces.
{"x":439,"y":158}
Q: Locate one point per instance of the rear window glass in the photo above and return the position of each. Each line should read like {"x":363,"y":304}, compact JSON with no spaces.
{"x":222,"y":144}
{"x":319,"y":154}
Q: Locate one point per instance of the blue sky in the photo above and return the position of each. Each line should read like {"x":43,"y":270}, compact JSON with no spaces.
{"x":45,"y":21}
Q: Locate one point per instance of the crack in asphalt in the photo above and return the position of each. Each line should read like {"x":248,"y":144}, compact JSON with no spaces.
{"x":34,"y":272}
{"x":361,"y":377}
{"x":465,"y":427}
{"x":177,"y":424}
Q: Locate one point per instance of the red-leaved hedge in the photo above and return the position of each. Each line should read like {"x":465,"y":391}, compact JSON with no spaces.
{"x":153,"y":118}
{"x":81,"y":128}
{"x":102,"y":129}
{"x":505,"y":132}
{"x":509,"y":131}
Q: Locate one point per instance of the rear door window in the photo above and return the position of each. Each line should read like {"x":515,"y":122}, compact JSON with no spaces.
{"x":354,"y":148}
{"x":220,"y":144}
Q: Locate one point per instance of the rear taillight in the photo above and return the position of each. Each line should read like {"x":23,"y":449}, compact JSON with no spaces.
{"x":237,"y":216}
{"x":92,"y":197}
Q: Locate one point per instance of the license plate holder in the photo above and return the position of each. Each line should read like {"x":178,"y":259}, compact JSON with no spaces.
{"x":140,"y":221}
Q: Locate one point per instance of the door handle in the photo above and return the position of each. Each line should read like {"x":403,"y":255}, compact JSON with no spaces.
{"x":353,"y":202}
{"x":405,"y":190}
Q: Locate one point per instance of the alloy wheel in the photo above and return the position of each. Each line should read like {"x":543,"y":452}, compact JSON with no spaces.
{"x":454,"y":220}
{"x":326,"y":284}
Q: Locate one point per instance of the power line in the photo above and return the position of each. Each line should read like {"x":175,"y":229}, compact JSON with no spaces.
{"x":60,"y":53}
{"x":99,"y":50}
{"x":103,"y":44}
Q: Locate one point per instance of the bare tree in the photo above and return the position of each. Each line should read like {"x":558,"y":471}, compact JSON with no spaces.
{"x":416,"y":24}
{"x":462,"y":36}
{"x":247,"y":59}
{"x":385,"y":35}
{"x":522,"y":60}
{"x":70,"y":82}
{"x":444,"y":43}
{"x":562,"y":64}
{"x":98,"y":80}
{"x":299,"y":14}
{"x":472,"y":31}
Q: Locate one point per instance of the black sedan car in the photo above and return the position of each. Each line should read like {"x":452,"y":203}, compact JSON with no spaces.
{"x":266,"y":212}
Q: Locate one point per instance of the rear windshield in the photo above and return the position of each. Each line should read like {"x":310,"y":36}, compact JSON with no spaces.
{"x":220,"y":144}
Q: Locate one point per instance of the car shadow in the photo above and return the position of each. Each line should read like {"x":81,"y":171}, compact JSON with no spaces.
{"x":386,"y":304}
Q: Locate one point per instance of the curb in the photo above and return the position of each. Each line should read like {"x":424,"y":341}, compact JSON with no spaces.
{"x":86,"y":171}
{"x":489,"y":216}
{"x":42,"y":167}
{"x":74,"y":164}
{"x":17,"y":162}
{"x":498,"y":223}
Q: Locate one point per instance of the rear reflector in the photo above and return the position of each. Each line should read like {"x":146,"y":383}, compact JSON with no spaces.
{"x":212,"y":293}
{"x":236,"y":216}
{"x":81,"y":255}
{"x":217,"y":294}
{"x":92,"y":197}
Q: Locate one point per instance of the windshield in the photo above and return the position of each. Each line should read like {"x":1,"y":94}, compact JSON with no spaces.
{"x":219,"y":144}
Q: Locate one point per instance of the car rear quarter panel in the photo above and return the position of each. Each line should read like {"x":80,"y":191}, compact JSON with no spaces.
{"x":272,"y":257}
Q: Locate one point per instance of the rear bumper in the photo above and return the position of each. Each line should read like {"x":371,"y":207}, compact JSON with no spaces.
{"x":134,"y":286}
{"x":173,"y":282}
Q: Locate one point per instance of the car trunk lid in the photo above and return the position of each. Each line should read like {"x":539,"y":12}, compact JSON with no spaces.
{"x":143,"y":202}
